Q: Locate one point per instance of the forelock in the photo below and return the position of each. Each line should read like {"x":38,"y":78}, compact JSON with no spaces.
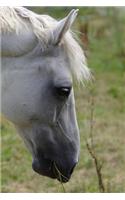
{"x":13,"y":19}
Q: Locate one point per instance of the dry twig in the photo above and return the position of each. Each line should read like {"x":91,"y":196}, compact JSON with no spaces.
{"x":90,"y":147}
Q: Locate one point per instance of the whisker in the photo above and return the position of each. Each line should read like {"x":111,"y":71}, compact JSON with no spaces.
{"x":60,"y":172}
{"x":60,"y":178}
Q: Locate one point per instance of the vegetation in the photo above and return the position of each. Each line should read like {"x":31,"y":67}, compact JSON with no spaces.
{"x":103,"y":33}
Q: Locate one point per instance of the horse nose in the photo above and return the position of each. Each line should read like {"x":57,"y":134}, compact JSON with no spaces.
{"x":72,"y":168}
{"x":63,"y":173}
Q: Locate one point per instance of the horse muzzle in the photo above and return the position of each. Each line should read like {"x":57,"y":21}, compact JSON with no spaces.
{"x":52,"y":169}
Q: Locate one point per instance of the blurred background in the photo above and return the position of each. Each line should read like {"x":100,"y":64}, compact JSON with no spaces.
{"x":100,"y":110}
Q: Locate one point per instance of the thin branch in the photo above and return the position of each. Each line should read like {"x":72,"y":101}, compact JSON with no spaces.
{"x":91,"y":120}
{"x":98,"y":168}
{"x":91,"y":149}
{"x":60,"y":177}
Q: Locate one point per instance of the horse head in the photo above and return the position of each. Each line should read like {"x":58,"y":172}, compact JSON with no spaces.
{"x":40,"y":59}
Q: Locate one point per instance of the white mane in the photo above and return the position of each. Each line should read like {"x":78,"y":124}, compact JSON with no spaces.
{"x":13,"y":19}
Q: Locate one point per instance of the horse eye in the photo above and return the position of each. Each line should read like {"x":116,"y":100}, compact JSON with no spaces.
{"x":63,"y":91}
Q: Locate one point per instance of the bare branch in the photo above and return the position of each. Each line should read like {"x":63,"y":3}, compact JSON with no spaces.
{"x":91,"y":149}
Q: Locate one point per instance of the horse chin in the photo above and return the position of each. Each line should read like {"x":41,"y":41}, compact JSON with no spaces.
{"x":46,"y":167}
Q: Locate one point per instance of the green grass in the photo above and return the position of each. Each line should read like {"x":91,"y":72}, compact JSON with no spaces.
{"x":108,"y":131}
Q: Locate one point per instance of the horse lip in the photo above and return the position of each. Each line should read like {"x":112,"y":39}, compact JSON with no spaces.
{"x":51,"y":172}
{"x":60,"y":177}
{"x":37,"y":167}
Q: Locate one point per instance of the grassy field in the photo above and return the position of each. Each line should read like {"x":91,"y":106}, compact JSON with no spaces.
{"x":106,"y":58}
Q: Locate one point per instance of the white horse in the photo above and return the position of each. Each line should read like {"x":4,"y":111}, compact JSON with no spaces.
{"x":40,"y":60}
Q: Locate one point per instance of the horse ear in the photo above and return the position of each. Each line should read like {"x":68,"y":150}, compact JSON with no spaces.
{"x":63,"y":26}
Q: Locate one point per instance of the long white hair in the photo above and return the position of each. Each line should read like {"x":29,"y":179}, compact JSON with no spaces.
{"x":12,"y":19}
